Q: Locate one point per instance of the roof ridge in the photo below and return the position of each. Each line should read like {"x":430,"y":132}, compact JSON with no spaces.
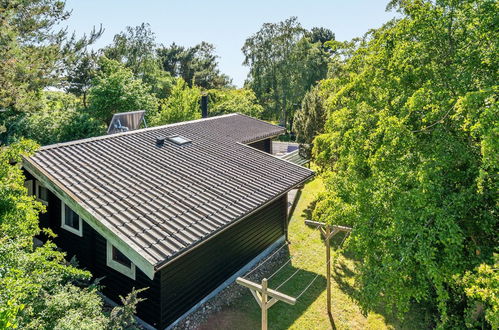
{"x":263,"y":121}
{"x":110,"y":136}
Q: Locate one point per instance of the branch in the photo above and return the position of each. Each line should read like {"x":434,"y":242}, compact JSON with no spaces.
{"x":441,"y":120}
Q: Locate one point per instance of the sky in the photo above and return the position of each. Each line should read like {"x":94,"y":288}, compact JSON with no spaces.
{"x":226,"y":24}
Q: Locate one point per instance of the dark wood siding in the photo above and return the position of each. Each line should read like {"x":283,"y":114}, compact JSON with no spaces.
{"x":187,"y":280}
{"x":90,"y":251}
{"x":263,"y":145}
{"x":184,"y":282}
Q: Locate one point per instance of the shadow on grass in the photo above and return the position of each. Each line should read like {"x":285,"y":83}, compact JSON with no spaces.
{"x":282,"y":315}
{"x":305,"y":286}
{"x":416,"y":318}
{"x":340,"y":272}
{"x":307,"y":212}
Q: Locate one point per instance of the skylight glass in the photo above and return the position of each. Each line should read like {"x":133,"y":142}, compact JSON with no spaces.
{"x":177,"y":139}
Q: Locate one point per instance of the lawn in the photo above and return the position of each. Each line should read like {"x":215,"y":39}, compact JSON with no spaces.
{"x":308,"y":255}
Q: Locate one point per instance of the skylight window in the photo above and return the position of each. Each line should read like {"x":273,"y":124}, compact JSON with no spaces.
{"x":177,"y":139}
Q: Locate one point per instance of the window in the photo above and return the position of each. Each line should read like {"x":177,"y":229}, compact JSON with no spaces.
{"x":177,"y":139}
{"x":70,"y":220}
{"x":41,"y":193}
{"x":121,"y":258}
{"x":119,"y":262}
{"x":28,"y":184}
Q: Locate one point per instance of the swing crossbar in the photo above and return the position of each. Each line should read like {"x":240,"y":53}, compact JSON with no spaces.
{"x":272,"y":293}
{"x":321,"y":224}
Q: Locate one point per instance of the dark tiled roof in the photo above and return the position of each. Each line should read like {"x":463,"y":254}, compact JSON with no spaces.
{"x":295,"y":158}
{"x":164,"y":199}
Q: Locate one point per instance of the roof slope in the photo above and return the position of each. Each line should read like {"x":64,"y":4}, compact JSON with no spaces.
{"x":295,"y":158}
{"x":164,"y":199}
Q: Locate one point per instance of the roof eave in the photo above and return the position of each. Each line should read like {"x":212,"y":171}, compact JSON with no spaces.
{"x":94,"y":220}
{"x":181,"y":253}
{"x":258,"y":139}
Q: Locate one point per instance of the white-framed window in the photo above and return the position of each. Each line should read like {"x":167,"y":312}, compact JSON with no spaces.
{"x":42,"y":193}
{"x":29,"y":185}
{"x":119,"y":262}
{"x":70,"y":220}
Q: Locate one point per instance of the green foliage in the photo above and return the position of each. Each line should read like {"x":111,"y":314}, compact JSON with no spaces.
{"x":410,"y":154}
{"x":181,"y":105}
{"x":309,"y":120}
{"x":115,"y":89}
{"x":28,"y":276}
{"x":320,"y":34}
{"x":39,"y":289}
{"x":134,"y":48}
{"x":29,"y":49}
{"x":32,"y":49}
{"x":284,"y":64}
{"x":233,"y":100}
{"x":481,"y":286}
{"x":122,"y":317}
{"x":196,"y":65}
{"x":60,"y":120}
{"x":18,"y":212}
{"x":81,"y":72}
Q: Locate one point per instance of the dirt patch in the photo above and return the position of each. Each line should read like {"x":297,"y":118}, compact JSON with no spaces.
{"x":225,"y":318}
{"x":217,"y":314}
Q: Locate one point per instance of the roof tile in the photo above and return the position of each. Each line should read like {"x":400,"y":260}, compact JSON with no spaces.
{"x":165,"y":199}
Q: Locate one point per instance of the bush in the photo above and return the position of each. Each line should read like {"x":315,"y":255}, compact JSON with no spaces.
{"x":181,"y":105}
{"x":233,"y":101}
{"x":39,"y":289}
{"x":115,"y":89}
{"x":61,"y":119}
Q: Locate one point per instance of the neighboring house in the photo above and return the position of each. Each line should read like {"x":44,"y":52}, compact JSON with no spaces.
{"x":178,"y":208}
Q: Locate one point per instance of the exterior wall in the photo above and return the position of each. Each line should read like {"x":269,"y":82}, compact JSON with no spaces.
{"x":263,"y":145}
{"x":187,"y":280}
{"x":90,"y":252}
{"x":193,"y":276}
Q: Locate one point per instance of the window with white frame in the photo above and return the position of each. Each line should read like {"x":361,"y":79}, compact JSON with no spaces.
{"x":70,"y":220}
{"x":41,"y":193}
{"x":119,"y":262}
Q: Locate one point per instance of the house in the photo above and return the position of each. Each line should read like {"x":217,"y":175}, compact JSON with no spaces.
{"x":178,"y":209}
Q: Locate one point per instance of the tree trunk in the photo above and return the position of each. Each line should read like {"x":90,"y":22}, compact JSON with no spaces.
{"x":85,"y":100}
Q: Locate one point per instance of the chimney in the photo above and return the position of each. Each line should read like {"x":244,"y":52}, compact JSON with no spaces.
{"x":160,"y":140}
{"x":204,"y":106}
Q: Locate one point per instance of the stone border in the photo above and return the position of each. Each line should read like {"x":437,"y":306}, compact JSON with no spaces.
{"x":231,"y":293}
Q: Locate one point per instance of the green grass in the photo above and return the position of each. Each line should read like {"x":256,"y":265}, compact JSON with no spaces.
{"x":308,"y":255}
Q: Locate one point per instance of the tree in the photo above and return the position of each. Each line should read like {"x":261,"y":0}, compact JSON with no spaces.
{"x":135,"y":48}
{"x":309,"y":120}
{"x":61,"y":119}
{"x":195,"y":65}
{"x":320,"y":34}
{"x":81,"y":72}
{"x":481,"y":286}
{"x":39,"y":289}
{"x":311,"y":65}
{"x":32,"y":54}
{"x":410,"y":156}
{"x":181,"y":105}
{"x":284,"y":64}
{"x":233,"y":101}
{"x":115,"y":89}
